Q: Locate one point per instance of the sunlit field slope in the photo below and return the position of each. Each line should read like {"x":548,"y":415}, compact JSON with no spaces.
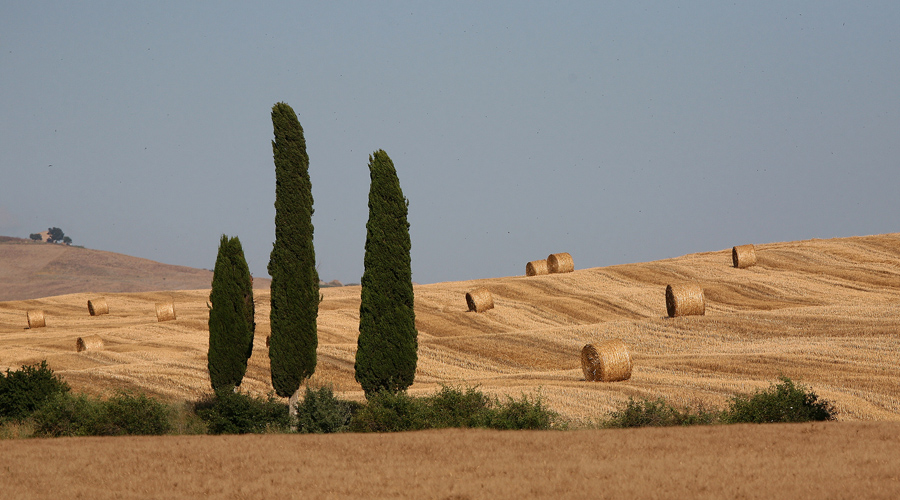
{"x":825,"y":313}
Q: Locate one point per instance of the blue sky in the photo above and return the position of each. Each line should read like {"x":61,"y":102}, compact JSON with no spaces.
{"x":616,"y":131}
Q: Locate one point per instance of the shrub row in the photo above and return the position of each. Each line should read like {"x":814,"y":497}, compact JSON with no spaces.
{"x":35,"y":401}
{"x":123,"y":414}
{"x":783,"y":402}
{"x":452,"y":407}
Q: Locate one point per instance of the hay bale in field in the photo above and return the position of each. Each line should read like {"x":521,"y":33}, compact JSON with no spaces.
{"x":165,"y":311}
{"x":98,"y":306}
{"x":608,"y":361}
{"x":480,"y":300}
{"x":89,"y":343}
{"x":35,"y":318}
{"x":536,"y":268}
{"x":685,"y":300}
{"x":560,"y":263}
{"x":743,"y":256}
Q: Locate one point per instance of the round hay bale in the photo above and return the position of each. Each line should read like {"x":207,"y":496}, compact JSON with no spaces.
{"x":608,"y":361}
{"x":685,"y":300}
{"x":89,"y":343}
{"x":560,"y":263}
{"x":536,"y":268}
{"x":743,"y":256}
{"x":480,"y":300}
{"x":35,"y":318}
{"x":98,"y":306}
{"x":165,"y":311}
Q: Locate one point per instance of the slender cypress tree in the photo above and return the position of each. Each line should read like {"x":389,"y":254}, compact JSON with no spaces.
{"x":386,"y":352}
{"x":292,"y":264}
{"x":231,"y":316}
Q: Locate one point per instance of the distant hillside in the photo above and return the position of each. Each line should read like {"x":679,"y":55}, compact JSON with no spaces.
{"x":30,"y":270}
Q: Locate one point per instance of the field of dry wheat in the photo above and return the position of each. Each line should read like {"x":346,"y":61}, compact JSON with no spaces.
{"x":825,"y":313}
{"x":848,"y":460}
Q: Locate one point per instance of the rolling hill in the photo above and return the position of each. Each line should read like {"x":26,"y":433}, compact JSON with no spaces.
{"x":30,"y":270}
{"x":824,"y":312}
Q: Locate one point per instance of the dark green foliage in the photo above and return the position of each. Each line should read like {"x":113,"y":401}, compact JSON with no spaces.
{"x":23,"y":391}
{"x":524,"y":414}
{"x":455,"y":407}
{"x":657,"y":413}
{"x":67,"y":415}
{"x":785,"y":402}
{"x":80,"y":415}
{"x":387,"y":411}
{"x":229,"y":412}
{"x":35,"y":236}
{"x":321,"y":413}
{"x":388,"y":341}
{"x":55,"y":234}
{"x":231,"y":316}
{"x":137,"y":415}
{"x":292,"y":264}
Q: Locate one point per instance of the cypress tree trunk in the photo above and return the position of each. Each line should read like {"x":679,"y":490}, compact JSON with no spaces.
{"x":292,"y":264}
{"x":387,"y":347}
{"x":231,"y":316}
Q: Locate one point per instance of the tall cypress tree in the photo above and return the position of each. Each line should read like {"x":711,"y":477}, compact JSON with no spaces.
{"x":231,"y":316}
{"x":292,"y":264}
{"x":387,"y":347}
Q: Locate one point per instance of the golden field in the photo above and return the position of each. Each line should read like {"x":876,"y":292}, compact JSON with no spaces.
{"x":822,"y":312}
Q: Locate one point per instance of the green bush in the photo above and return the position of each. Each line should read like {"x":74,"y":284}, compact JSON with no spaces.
{"x":451,"y":407}
{"x":136,"y":415}
{"x":784,"y":402}
{"x":387,"y":411}
{"x":525,"y":413}
{"x":656,"y":413}
{"x":23,"y":391}
{"x":321,"y":413}
{"x":120,"y":415}
{"x":229,"y":412}
{"x":67,"y":415}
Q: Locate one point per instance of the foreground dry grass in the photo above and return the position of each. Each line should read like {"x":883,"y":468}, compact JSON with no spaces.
{"x":823,"y":312}
{"x":798,"y":461}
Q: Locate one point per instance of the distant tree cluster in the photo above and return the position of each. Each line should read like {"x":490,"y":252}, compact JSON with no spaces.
{"x":54,"y":235}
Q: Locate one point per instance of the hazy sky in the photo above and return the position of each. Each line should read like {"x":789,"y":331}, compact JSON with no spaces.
{"x":616,"y":131}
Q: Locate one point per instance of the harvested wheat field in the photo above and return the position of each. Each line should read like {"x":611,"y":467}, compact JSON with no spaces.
{"x":825,"y":313}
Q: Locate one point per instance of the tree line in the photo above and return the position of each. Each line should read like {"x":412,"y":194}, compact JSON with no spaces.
{"x":387,"y":346}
